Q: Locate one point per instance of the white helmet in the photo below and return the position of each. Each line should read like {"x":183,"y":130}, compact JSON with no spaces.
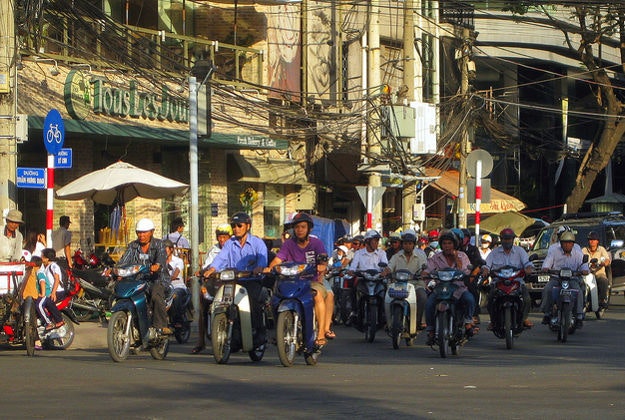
{"x":144,"y":225}
{"x":372,"y":234}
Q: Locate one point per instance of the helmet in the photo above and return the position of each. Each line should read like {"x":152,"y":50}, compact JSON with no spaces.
{"x":593,"y":235}
{"x":487,"y":238}
{"x":567,"y":237}
{"x":372,"y":234}
{"x":303,"y":217}
{"x":409,"y":235}
{"x":223,"y":229}
{"x":448,"y":235}
{"x":343,"y":248}
{"x":433,"y":235}
{"x":394,"y":236}
{"x":459,"y":233}
{"x":241,"y":217}
{"x":168,"y":244}
{"x":562,"y":229}
{"x":144,"y":225}
{"x":358,"y":238}
{"x":466,"y":232}
{"x":422,"y":240}
{"x":507,"y":233}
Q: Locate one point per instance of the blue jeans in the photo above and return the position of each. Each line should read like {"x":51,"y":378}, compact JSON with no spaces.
{"x":466,"y":300}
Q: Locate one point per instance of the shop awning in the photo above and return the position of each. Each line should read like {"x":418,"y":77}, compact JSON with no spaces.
{"x":265,"y":171}
{"x":166,"y":135}
{"x":448,"y":183}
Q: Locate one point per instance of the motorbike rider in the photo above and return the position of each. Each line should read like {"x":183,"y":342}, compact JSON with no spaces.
{"x":366,"y":258}
{"x":512,"y":255}
{"x":222,"y":234}
{"x":594,"y":250}
{"x":485,"y":243}
{"x":245,"y":252}
{"x":564,"y":256}
{"x":175,"y":268}
{"x":411,"y":259}
{"x":147,"y":246}
{"x":304,"y":248}
{"x":433,"y":245}
{"x":476,"y":260}
{"x":449,"y":256}
{"x":393,"y":245}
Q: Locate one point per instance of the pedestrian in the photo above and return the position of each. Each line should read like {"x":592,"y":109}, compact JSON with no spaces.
{"x":11,"y":238}
{"x":62,"y":241}
{"x":50,"y":290}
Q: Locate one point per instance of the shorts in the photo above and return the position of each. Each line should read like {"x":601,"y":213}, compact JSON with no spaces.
{"x":320,"y":288}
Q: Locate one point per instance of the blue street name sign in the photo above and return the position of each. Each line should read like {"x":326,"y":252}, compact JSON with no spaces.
{"x":63,"y":159}
{"x":53,"y":132}
{"x":31,"y":178}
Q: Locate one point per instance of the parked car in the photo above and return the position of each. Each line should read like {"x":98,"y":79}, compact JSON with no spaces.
{"x":611,"y":229}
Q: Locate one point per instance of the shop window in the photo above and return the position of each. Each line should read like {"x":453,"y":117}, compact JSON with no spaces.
{"x":273,"y":210}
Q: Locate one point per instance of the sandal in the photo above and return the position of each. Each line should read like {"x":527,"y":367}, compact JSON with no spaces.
{"x":49,"y":327}
{"x":196,"y":349}
{"x":330,"y":335}
{"x":321,"y":342}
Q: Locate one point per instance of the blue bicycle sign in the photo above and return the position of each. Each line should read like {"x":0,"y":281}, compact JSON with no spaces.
{"x":53,"y":132}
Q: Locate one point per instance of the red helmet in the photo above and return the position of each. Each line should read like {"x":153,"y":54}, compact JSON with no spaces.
{"x":433,"y":235}
{"x":422,"y":240}
{"x":507,"y":233}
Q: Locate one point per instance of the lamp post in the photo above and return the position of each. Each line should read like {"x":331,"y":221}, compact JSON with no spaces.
{"x":202,"y":69}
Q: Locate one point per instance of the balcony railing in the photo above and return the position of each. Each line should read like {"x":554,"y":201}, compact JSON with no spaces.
{"x":457,"y":13}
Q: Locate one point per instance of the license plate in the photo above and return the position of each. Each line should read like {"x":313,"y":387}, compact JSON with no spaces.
{"x":543,"y":279}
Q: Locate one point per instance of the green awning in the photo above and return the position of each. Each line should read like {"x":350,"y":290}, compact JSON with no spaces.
{"x":166,"y":135}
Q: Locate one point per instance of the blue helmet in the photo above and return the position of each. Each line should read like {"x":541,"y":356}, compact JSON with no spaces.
{"x":459,"y":234}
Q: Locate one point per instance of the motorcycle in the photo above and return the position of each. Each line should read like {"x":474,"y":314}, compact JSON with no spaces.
{"x":231,"y":314}
{"x":400,"y":306}
{"x":293,"y":308}
{"x":342,"y":287}
{"x":18,"y":316}
{"x":507,"y":305}
{"x":130,"y":326}
{"x":591,"y":293}
{"x":95,"y":296}
{"x":564,"y":297}
{"x":450,"y":333}
{"x":181,"y":329}
{"x":370,"y":292}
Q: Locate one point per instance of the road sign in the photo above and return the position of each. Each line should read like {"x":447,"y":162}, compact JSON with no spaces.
{"x":31,"y":178}
{"x":63,"y":159}
{"x":53,"y":132}
{"x":484,"y":157}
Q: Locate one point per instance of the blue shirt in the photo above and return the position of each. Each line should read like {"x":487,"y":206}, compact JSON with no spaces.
{"x":556,"y":259}
{"x":517,"y":258}
{"x":252,"y":254}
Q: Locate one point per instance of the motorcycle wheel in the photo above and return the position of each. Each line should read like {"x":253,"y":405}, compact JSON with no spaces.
{"x":565,"y":317}
{"x":372,"y":323}
{"x":30,"y":331}
{"x":507,"y":325}
{"x":286,"y":338}
{"x":82,"y":315}
{"x":117,"y":340}
{"x":220,"y":340}
{"x":160,"y":352}
{"x":257,"y":354}
{"x":442,"y":334}
{"x":397,"y":325}
{"x":61,"y":338}
{"x":183,"y":333}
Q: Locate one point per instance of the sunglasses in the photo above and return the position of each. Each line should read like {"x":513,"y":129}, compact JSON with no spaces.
{"x":238,"y":225}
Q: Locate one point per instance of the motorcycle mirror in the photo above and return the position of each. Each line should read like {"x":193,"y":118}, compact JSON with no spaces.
{"x":322,"y":258}
{"x":585,"y":259}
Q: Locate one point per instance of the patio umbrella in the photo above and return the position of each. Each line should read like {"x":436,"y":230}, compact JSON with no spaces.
{"x":120,"y":181}
{"x":512,"y":219}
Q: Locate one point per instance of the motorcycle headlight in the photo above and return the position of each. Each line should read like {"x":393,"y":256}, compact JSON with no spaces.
{"x":507,"y":272}
{"x":127,"y":271}
{"x":402,"y":275}
{"x":566,"y":272}
{"x":290,"y":270}
{"x":445,"y":275}
{"x":227,"y":275}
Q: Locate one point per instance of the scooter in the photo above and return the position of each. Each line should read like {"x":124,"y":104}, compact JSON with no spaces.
{"x":182,"y":326}
{"x":591,"y":293}
{"x":507,"y":310}
{"x":370,"y":292}
{"x":293,"y":307}
{"x":342,"y":287}
{"x":564,"y":297}
{"x":450,"y":331}
{"x":400,"y":306}
{"x":130,"y":326}
{"x":95,"y":296}
{"x":231,"y":314}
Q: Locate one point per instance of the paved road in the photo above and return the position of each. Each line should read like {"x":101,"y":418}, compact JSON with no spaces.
{"x":538,"y":379}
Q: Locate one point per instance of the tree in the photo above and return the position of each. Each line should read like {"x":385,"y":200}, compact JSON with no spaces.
{"x":598,"y":23}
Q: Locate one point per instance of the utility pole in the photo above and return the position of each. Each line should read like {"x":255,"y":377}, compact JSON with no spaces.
{"x":409,"y":193}
{"x":464,"y":58}
{"x":374,"y":207}
{"x":8,"y":89}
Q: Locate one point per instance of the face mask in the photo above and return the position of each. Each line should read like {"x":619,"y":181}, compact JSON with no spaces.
{"x":434,"y":244}
{"x":485,"y":245}
{"x":506,"y":245}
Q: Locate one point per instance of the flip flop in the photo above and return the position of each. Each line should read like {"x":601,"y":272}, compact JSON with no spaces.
{"x":321,"y":342}
{"x":330,"y":335}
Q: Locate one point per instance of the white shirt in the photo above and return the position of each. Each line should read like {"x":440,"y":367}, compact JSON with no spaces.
{"x":365,"y":260}
{"x":174,"y":263}
{"x":52,"y":269}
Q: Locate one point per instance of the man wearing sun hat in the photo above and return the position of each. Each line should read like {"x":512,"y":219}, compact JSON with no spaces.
{"x":11,"y":239}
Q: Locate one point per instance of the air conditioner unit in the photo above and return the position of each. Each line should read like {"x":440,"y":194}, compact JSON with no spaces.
{"x":424,"y":140}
